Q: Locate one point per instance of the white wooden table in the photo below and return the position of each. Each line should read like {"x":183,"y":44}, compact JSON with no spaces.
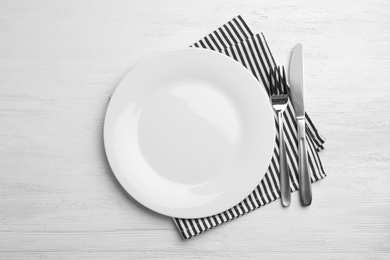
{"x":59,"y":62}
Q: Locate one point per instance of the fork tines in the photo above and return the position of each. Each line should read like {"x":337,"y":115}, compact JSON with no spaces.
{"x":277,"y":81}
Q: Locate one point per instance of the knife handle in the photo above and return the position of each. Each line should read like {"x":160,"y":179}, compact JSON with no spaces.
{"x":285,"y":192}
{"x":303,"y":169}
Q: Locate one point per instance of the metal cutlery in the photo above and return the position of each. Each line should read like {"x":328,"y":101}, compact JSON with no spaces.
{"x":297,"y":88}
{"x":279,"y":97}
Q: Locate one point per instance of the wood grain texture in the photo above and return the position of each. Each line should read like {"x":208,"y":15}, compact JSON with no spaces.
{"x":59,"y":62}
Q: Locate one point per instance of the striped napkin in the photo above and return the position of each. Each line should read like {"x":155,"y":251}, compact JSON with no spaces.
{"x":237,"y":41}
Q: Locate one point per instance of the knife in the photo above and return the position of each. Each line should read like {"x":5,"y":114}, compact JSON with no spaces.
{"x":298,"y":102}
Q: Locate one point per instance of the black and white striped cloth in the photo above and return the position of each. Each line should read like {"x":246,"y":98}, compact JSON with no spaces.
{"x":237,"y":41}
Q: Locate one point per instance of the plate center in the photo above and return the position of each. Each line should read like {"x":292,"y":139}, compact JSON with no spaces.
{"x":189,"y":132}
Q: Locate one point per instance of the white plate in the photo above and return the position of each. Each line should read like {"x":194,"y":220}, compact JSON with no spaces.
{"x":189,"y":133}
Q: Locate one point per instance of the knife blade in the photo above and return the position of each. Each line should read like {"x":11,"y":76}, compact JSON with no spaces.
{"x":297,"y":88}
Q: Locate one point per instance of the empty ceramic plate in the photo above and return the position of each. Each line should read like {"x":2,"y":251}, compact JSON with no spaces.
{"x":189,"y":133}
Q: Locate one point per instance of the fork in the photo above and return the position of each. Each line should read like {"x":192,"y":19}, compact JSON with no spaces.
{"x":279,"y":98}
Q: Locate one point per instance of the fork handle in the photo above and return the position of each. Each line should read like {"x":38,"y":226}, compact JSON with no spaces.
{"x":304,"y":176}
{"x":285,"y":192}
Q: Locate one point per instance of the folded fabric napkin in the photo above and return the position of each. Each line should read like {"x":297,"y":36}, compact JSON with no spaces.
{"x":237,"y":41}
